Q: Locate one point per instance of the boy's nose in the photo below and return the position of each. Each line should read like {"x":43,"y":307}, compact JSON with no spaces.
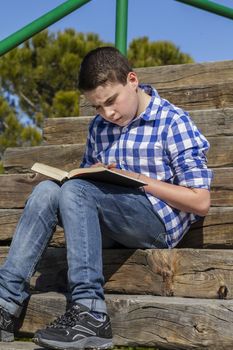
{"x":109,"y":113}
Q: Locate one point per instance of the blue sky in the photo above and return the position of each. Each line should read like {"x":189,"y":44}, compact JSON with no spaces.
{"x":205,"y":36}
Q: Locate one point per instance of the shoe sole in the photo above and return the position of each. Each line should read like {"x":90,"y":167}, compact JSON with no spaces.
{"x":87,"y":343}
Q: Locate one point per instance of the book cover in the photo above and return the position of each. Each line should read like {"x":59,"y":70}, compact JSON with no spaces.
{"x":101,"y":174}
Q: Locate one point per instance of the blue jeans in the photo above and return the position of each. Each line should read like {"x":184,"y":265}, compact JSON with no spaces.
{"x":94,"y":215}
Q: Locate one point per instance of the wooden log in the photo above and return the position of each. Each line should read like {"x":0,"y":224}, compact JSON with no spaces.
{"x":190,"y":86}
{"x":168,"y":323}
{"x":67,"y":157}
{"x":218,"y":95}
{"x":212,"y":122}
{"x":65,"y":130}
{"x":8,"y":222}
{"x":21,"y":159}
{"x":215,"y":231}
{"x":15,"y":188}
{"x":19,"y":345}
{"x":195,"y":74}
{"x":196,"y":273}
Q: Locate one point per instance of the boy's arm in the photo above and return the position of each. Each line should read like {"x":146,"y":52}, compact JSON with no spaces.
{"x":189,"y":200}
{"x":185,"y":148}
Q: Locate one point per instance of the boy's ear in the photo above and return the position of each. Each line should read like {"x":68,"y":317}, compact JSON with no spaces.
{"x":132,"y":79}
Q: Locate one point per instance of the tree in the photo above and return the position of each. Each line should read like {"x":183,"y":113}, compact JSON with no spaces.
{"x":12,"y":132}
{"x":143,"y":53}
{"x":43,"y":73}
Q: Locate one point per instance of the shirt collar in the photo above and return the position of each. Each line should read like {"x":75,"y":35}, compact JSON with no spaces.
{"x":152,"y":109}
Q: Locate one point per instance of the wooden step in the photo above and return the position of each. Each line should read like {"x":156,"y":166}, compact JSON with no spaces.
{"x":20,"y":345}
{"x":195,"y":273}
{"x":15,"y":188}
{"x":181,"y":75}
{"x":21,"y":159}
{"x":69,"y":130}
{"x":215,"y":231}
{"x":167,"y":322}
{"x":212,"y":122}
{"x":190,"y":86}
{"x":69,"y":156}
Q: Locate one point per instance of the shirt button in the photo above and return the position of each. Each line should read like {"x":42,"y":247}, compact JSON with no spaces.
{"x":125,"y":129}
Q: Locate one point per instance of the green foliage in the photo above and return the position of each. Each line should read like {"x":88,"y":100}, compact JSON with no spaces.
{"x":1,"y":168}
{"x":143,"y":53}
{"x":12,"y":133}
{"x":43,"y":73}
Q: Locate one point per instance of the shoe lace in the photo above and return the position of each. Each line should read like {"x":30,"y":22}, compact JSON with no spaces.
{"x":68,"y":319}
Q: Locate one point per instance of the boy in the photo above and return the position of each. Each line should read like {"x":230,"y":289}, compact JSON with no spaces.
{"x":136,"y":133}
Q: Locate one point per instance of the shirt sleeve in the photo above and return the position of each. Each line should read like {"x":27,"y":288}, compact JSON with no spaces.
{"x":187,"y":149}
{"x":89,"y":153}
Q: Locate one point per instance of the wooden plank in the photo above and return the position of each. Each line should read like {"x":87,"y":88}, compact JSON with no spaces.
{"x":215,"y":231}
{"x":211,"y":122}
{"x":20,"y":160}
{"x":195,"y":74}
{"x":190,"y":86}
{"x":174,"y":323}
{"x":195,"y":273}
{"x":218,"y":95}
{"x":15,"y":188}
{"x":8,"y":222}
{"x":66,"y":130}
{"x":19,"y":345}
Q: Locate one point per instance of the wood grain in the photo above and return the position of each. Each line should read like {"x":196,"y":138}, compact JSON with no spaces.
{"x":218,"y":95}
{"x":169,"y":323}
{"x":196,"y":273}
{"x":211,"y":122}
{"x":15,"y":188}
{"x":69,"y":156}
{"x":215,"y":231}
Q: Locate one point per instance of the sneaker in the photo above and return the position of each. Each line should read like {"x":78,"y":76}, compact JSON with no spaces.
{"x":6,"y":325}
{"x":78,"y":328}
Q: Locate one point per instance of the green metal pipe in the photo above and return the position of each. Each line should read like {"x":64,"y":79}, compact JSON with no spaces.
{"x":211,"y":7}
{"x":121,"y":26}
{"x":39,"y":24}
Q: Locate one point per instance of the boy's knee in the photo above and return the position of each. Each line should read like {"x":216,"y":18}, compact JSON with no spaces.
{"x":46,"y":191}
{"x":74,"y":190}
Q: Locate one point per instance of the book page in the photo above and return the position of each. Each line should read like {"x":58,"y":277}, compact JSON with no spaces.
{"x":76,"y":172}
{"x":50,"y":171}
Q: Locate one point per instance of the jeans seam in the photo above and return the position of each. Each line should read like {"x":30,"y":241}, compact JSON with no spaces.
{"x":82,"y":230}
{"x":30,"y":273}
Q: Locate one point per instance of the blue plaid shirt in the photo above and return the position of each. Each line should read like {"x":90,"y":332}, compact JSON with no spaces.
{"x":162,"y":143}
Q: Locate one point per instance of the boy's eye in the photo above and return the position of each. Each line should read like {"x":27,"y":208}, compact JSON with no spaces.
{"x":109,"y":103}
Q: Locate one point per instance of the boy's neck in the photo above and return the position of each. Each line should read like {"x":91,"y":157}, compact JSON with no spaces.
{"x":144,"y":100}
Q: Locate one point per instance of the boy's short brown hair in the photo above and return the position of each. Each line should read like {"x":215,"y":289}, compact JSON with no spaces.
{"x":103,"y":65}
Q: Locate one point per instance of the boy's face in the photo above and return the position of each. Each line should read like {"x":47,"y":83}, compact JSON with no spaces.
{"x":115,"y":102}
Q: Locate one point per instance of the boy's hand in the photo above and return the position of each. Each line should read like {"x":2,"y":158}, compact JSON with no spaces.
{"x":109,"y":166}
{"x":112,"y":166}
{"x":98,"y":164}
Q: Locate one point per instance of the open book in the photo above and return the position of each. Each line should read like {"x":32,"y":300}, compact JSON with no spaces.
{"x":96,"y":173}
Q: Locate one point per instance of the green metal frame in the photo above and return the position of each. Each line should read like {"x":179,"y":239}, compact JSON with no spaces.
{"x":210,"y":6}
{"x":121,"y":26}
{"x":39,"y":24}
{"x":121,"y":21}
